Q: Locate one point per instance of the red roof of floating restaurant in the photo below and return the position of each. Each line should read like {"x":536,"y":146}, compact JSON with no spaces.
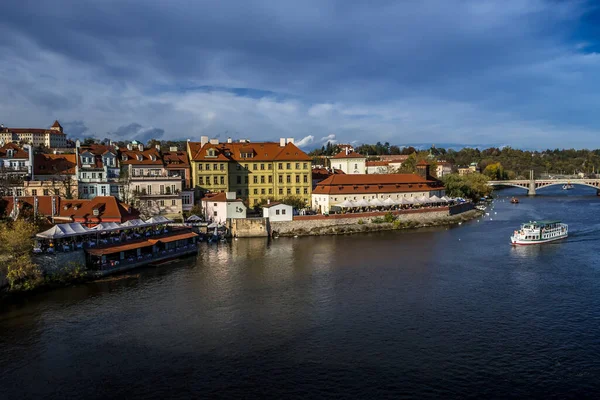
{"x":375,"y":183}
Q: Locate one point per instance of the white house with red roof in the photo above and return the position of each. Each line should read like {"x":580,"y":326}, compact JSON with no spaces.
{"x":349,"y":162}
{"x":97,"y":171}
{"x":218,"y":207}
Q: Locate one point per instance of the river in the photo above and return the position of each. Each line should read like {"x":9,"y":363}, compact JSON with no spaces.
{"x":430,"y":313}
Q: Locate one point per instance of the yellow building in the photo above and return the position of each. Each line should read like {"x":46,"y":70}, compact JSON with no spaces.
{"x":254,"y":171}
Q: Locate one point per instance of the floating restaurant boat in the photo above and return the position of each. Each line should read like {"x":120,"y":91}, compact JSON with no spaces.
{"x":514,"y":200}
{"x":111,"y":247}
{"x":538,"y":232}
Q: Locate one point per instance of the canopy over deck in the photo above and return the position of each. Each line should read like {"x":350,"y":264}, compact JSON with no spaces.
{"x":63,"y":230}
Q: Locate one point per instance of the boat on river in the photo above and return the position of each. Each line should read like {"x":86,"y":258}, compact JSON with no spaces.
{"x":514,"y":200}
{"x":539,"y":232}
{"x":567,"y":186}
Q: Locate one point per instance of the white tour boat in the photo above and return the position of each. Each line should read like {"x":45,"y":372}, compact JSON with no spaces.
{"x":538,"y":232}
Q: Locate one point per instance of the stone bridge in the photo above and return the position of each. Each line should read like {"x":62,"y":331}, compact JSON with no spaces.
{"x":532,"y":184}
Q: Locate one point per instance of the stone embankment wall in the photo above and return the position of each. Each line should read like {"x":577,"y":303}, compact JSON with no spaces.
{"x":60,"y":262}
{"x":363,"y":222}
{"x":249,"y":227}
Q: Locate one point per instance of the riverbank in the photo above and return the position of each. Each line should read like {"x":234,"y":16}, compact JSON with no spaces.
{"x":372,"y":222}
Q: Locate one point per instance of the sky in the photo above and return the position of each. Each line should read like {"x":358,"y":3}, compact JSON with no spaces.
{"x":522,"y":73}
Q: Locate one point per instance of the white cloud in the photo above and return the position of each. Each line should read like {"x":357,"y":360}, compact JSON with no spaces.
{"x":329,"y":139}
{"x":305,"y":141}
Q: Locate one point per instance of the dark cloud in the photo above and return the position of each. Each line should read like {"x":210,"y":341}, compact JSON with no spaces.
{"x":74,"y":128}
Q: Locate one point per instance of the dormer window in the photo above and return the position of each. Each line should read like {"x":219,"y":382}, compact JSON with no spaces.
{"x":152,"y":157}
{"x":139,"y":157}
{"x":210,"y":153}
{"x":124,"y":157}
{"x":9,"y":152}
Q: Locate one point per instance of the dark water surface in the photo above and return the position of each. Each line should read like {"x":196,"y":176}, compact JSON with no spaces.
{"x":416,"y":314}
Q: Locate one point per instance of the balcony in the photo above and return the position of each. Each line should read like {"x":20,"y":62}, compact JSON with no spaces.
{"x":144,"y":177}
{"x":167,"y":193}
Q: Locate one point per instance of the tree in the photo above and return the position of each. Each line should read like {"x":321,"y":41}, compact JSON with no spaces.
{"x":297,"y":202}
{"x":16,"y":243}
{"x":88,"y":141}
{"x":495,"y":172}
{"x":473,"y":186}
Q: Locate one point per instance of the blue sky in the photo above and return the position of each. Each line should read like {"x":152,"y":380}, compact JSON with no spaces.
{"x":522,"y":73}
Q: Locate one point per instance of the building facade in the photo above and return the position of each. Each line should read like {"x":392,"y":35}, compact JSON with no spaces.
{"x":177,"y":164}
{"x":54,"y":137}
{"x":97,"y":171}
{"x":349,"y":162}
{"x":277,"y":212}
{"x":149,"y":185}
{"x":254,"y":171}
{"x":339,"y":188}
{"x":218,"y":207}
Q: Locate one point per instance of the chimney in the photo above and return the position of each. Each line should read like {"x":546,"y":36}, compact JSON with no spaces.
{"x":30,"y":168}
{"x":157,"y":146}
{"x":214,"y":141}
{"x":268,"y":201}
{"x":129,"y":146}
{"x":346,"y":150}
{"x":282,"y":142}
{"x":140,"y":147}
{"x":290,"y":140}
{"x":203,"y":141}
{"x":229,"y":140}
{"x":77,"y":144}
{"x":173,"y":148}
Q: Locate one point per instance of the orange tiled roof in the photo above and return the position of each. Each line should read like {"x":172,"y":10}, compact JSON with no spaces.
{"x":342,"y":154}
{"x":18,"y":151}
{"x":261,"y":151}
{"x":176,"y":159}
{"x":377,"y":163}
{"x":53,"y":164}
{"x":56,"y":124}
{"x":132,"y":156}
{"x":378,"y":183}
{"x":218,"y":197}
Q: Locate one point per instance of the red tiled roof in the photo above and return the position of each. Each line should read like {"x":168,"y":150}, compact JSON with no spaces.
{"x":44,"y":203}
{"x":342,"y":154}
{"x":132,"y":156}
{"x":377,"y":163}
{"x":53,"y":164}
{"x":18,"y":151}
{"x":176,"y":159}
{"x":377,"y":183}
{"x":393,"y":158}
{"x":56,"y":124}
{"x":273,"y":204}
{"x":218,"y":197}
{"x":262,"y":151}
{"x":423,"y":163}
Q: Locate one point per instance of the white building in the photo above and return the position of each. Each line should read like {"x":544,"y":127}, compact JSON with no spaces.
{"x":220,"y":206}
{"x":278,"y":212}
{"x":339,"y":188}
{"x":349,"y":162}
{"x":15,"y":160}
{"x":50,"y":138}
{"x":97,"y":171}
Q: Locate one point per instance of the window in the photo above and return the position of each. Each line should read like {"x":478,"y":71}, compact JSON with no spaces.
{"x":280,"y":166}
{"x":84,"y":175}
{"x":255,"y":179}
{"x":355,"y":166}
{"x":270,"y":178}
{"x":34,"y":192}
{"x":262,"y":191}
{"x":305,"y":191}
{"x":255,"y":201}
{"x":297,"y":190}
{"x":305,"y":178}
{"x":255,"y":167}
{"x":305,"y":166}
{"x":200,"y":180}
{"x":215,"y":213}
{"x":162,"y":189}
{"x":173,"y":202}
{"x":149,"y":203}
{"x":199,"y":167}
{"x":162,"y":203}
{"x":222,"y":180}
{"x":149,"y":189}
{"x":238,"y":180}
{"x":288,"y":178}
{"x":246,"y":179}
{"x":19,"y":192}
{"x":100,"y":175}
{"x":92,"y":190}
{"x":216,"y":180}
{"x":270,"y":191}
{"x":93,"y":175}
{"x":103,"y":190}
{"x":255,"y":191}
{"x":289,"y":191}
{"x":288,"y":166}
{"x":280,"y":191}
{"x":269,"y":166}
{"x":297,"y":165}
{"x":222,"y":167}
{"x":246,"y":166}
{"x":46,"y":192}
{"x":297,"y":178}
{"x":283,"y":212}
{"x":208,"y":167}
{"x":262,"y":167}
{"x":262,"y":179}
{"x":238,"y":192}
{"x":238,"y":167}
{"x":276,"y":212}
{"x":280,"y":178}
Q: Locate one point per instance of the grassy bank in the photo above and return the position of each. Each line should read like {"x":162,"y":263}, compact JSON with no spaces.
{"x":385,"y":225}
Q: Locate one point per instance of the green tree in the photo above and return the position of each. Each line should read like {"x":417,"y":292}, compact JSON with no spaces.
{"x":16,"y":244}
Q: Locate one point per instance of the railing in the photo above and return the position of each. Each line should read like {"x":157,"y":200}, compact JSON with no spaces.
{"x":155,"y":177}
{"x":146,"y":258}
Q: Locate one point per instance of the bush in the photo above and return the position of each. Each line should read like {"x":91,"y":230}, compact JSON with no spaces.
{"x":360,"y":222}
{"x":389,"y":217}
{"x":377,"y":220}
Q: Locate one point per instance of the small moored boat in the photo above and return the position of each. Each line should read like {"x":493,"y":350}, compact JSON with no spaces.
{"x":567,"y":186}
{"x":514,"y":200}
{"x":538,"y":232}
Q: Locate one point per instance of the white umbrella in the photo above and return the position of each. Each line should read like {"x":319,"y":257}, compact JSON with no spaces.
{"x":159,"y":219}
{"x":376,"y":203}
{"x":423,"y":200}
{"x":389,"y":202}
{"x":106,"y":226}
{"x":406,"y":201}
{"x":133,"y":223}
{"x":435,"y":199}
{"x":193,"y":218}
{"x":213,"y":225}
{"x":347,"y":204}
{"x":362,"y":203}
{"x":52,"y":233}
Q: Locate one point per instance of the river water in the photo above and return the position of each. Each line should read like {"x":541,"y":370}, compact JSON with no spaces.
{"x":432,"y":313}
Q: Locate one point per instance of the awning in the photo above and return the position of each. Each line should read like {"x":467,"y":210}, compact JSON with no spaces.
{"x":193,"y":218}
{"x":120,"y":248}
{"x":106,"y":226}
{"x":174,"y":238}
{"x":64,"y":230}
{"x":158,"y":219}
{"x":134,"y":223}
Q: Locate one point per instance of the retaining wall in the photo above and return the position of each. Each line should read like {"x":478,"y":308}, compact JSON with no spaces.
{"x":249,"y":227}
